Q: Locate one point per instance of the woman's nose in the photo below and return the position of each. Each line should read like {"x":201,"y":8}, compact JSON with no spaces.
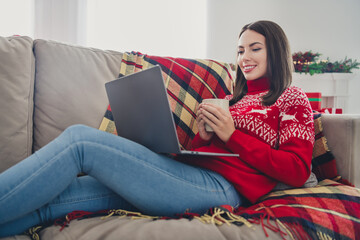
{"x":245,"y":56}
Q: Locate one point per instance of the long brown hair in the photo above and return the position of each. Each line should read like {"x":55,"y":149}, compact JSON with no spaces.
{"x":279,"y":62}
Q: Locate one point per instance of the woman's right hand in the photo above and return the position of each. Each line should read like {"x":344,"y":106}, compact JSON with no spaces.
{"x":206,"y":136}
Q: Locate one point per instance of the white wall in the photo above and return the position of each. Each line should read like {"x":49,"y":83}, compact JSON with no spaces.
{"x":158,"y":27}
{"x":60,"y":20}
{"x":16,"y":17}
{"x":330,"y":27}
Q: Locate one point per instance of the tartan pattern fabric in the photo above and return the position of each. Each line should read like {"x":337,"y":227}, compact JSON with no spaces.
{"x":107,"y":124}
{"x":323,"y":162}
{"x":329,"y":211}
{"x":188,"y":81}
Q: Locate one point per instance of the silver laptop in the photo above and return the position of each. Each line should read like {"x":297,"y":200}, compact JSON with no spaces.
{"x":142,"y":113}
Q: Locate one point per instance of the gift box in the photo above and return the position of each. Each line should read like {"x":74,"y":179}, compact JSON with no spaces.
{"x":315,"y":100}
{"x":332,"y":110}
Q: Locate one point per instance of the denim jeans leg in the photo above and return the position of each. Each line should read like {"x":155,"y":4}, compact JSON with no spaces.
{"x":154,"y":183}
{"x":84,"y":193}
{"x":151,"y":182}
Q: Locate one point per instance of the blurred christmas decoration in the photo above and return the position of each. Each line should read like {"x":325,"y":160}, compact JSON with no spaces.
{"x":308,"y":62}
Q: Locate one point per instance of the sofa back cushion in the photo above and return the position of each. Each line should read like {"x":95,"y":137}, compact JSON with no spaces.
{"x":69,"y":87}
{"x":342,"y":132}
{"x":16,"y":99}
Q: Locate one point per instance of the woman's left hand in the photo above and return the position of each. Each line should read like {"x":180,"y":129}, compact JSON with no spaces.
{"x":218,"y":119}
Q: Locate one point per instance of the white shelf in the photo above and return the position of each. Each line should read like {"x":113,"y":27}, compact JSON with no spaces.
{"x":334,"y":87}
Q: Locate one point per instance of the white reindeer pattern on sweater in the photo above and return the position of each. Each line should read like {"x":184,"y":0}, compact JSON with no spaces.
{"x":291,"y":110}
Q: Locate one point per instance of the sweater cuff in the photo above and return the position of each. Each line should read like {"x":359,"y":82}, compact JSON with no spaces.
{"x":232,"y":144}
{"x":198,"y":142}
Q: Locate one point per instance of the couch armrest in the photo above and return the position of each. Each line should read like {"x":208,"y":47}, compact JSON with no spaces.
{"x":343,"y":134}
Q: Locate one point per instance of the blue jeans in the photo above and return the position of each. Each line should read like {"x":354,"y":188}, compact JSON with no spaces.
{"x":121,"y":174}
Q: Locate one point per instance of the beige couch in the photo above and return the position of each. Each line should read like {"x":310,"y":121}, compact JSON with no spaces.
{"x":46,"y":86}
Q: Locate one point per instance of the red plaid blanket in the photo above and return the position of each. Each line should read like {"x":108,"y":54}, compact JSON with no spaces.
{"x":329,"y":211}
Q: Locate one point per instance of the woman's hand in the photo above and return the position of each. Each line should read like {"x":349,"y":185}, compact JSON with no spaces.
{"x":205,"y":135}
{"x":218,"y":119}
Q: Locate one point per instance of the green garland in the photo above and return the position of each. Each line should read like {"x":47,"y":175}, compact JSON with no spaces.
{"x":308,"y":63}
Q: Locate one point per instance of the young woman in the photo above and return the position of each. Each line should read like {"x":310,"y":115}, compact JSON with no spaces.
{"x":269,"y":124}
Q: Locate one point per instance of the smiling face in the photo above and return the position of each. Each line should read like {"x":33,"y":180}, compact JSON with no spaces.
{"x":252,"y":55}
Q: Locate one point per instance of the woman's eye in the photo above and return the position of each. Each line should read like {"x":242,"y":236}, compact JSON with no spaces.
{"x":240,"y":52}
{"x":256,"y":49}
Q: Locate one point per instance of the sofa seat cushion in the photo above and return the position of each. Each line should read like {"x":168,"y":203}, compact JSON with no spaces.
{"x":17,"y":68}
{"x":116,"y":227}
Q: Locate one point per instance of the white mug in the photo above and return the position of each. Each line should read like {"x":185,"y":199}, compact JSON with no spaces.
{"x":223,"y":103}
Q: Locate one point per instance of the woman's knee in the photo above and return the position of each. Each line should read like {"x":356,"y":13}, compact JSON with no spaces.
{"x":78,"y":132}
{"x":76,"y":128}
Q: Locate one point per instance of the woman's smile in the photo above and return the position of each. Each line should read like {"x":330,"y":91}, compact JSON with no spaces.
{"x":248,"y":68}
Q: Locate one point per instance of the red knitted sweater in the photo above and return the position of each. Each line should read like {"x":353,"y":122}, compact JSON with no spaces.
{"x":275,"y":143}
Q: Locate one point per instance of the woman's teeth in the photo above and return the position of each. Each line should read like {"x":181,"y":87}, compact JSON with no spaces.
{"x":248,"y":68}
